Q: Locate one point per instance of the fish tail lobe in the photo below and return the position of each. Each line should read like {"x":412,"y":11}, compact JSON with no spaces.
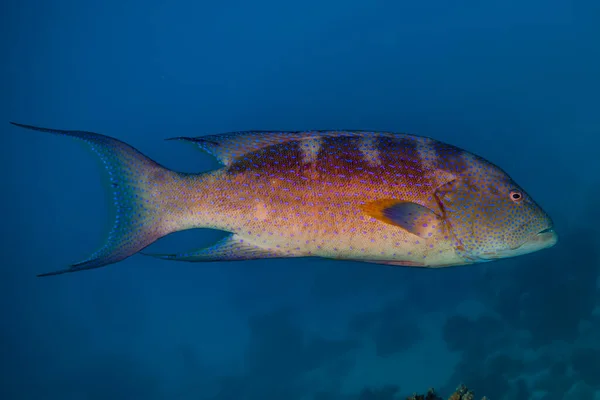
{"x":138,"y":187}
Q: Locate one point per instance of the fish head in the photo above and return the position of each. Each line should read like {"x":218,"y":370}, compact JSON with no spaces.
{"x":491,"y":216}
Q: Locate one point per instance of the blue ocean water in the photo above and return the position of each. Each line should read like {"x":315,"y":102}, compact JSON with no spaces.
{"x":517,"y":82}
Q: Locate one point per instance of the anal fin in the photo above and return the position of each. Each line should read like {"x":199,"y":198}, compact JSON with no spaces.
{"x":396,"y":263}
{"x":230,"y":248}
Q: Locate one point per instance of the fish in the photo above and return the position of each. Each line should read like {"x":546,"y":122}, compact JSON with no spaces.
{"x":387,"y":198}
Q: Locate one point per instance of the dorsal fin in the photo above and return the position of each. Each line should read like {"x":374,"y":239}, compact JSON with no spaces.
{"x":228,"y":147}
{"x":231,"y":146}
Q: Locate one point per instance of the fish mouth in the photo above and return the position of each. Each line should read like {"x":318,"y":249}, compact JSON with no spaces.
{"x":547,"y":237}
{"x":547,"y":230}
{"x":544,"y":239}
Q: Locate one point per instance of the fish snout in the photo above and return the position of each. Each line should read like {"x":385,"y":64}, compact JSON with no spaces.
{"x":547,"y":237}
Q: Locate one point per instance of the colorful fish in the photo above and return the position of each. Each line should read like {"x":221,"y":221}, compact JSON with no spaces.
{"x":377,"y":197}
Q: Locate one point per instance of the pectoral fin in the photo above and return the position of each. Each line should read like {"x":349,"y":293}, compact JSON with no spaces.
{"x":414,"y":218}
{"x":231,"y":248}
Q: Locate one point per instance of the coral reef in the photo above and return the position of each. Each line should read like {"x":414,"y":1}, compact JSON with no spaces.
{"x":461,"y":393}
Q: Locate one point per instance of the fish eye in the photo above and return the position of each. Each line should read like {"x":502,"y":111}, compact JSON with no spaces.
{"x":516,"y":196}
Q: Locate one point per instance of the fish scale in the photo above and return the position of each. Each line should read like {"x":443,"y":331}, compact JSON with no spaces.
{"x":305,"y":221}
{"x":378,"y":197}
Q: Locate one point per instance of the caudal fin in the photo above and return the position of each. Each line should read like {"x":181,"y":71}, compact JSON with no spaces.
{"x":137,"y":184}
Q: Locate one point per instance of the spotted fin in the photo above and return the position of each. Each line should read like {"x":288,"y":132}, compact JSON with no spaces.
{"x":415,"y":218}
{"x":396,"y":263}
{"x":231,"y":248}
{"x":232,"y":146}
{"x":229,"y":147}
{"x":138,"y":216}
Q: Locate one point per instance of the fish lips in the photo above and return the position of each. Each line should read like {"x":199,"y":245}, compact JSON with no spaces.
{"x":544,"y":239}
{"x":548,"y":236}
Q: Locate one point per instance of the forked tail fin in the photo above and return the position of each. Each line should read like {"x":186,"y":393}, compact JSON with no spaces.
{"x":139,"y":188}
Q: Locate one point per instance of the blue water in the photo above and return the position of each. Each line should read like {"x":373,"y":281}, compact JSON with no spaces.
{"x":517,"y":82}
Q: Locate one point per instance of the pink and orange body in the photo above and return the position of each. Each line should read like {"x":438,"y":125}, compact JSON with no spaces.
{"x":378,"y":197}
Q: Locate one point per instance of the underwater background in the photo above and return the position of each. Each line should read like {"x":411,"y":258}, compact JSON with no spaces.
{"x":517,"y":82}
